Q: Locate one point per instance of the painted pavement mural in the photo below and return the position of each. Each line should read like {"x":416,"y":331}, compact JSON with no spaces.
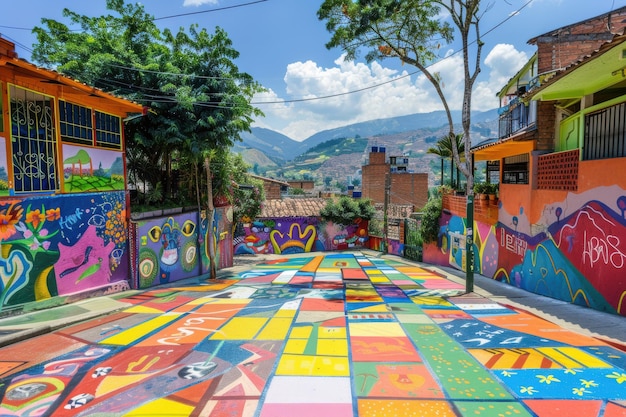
{"x":58,"y":246}
{"x":575,"y":252}
{"x":338,"y":335}
{"x":297,"y":235}
{"x":175,"y":247}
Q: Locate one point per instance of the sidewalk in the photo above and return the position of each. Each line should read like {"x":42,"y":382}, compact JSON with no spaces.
{"x":345,"y":334}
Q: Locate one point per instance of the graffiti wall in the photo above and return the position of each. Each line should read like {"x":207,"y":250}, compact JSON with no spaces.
{"x":92,"y":169}
{"x":575,"y":251}
{"x":172,"y":248}
{"x":62,"y":245}
{"x":297,"y":235}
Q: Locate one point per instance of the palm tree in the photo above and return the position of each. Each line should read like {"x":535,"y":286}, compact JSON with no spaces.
{"x":441,"y":153}
{"x":443,"y":149}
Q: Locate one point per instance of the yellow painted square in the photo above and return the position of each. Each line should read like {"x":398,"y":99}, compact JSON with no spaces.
{"x":379,"y":279}
{"x":332,"y":333}
{"x":332,"y":347}
{"x":155,"y":408}
{"x":313,"y":365}
{"x":276,"y":329}
{"x":295,"y":346}
{"x":240,"y":328}
{"x":376,"y":329}
{"x":283,"y":312}
{"x":300,"y":332}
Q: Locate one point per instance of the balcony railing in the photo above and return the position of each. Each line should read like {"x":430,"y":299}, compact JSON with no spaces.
{"x":519,"y":117}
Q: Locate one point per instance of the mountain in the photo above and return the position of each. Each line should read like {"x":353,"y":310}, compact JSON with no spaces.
{"x":270,"y":142}
{"x":340,"y":153}
{"x":381,"y":127}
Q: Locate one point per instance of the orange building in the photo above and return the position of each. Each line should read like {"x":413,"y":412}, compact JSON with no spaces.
{"x":63,"y":197}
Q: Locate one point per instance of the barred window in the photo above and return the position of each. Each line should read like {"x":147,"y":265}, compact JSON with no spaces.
{"x":75,"y":123}
{"x":33,"y":141}
{"x":108,"y":130}
{"x":515,"y":169}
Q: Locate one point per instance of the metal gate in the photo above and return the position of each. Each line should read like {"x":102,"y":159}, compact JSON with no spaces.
{"x":412,"y":245}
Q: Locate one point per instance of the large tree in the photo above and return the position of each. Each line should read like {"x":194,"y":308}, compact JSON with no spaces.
{"x":413,"y":31}
{"x":199,"y":101}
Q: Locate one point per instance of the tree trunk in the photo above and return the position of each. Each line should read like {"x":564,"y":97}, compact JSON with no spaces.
{"x":210,"y":222}
{"x":442,"y":171}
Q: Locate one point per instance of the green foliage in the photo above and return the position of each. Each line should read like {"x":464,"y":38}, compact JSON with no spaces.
{"x":198,"y":99}
{"x":480,"y":188}
{"x":346,"y":210}
{"x":429,"y":226}
{"x":296,"y":191}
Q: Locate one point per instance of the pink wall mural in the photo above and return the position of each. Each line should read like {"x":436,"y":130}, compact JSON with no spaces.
{"x":574,"y":251}
{"x":62,"y":245}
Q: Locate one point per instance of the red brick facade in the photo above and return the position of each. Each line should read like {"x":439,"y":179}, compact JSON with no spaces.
{"x":564,"y":46}
{"x":405,"y":188}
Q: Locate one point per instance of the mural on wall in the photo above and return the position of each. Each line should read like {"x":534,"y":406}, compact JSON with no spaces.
{"x":4,"y":171}
{"x":222,"y":238}
{"x":61,"y":245}
{"x":167,"y":249}
{"x":173,"y":248}
{"x":297,"y":235}
{"x":575,"y":252}
{"x":92,"y":169}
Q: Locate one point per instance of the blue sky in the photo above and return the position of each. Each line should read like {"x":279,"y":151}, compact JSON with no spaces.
{"x":282,"y":45}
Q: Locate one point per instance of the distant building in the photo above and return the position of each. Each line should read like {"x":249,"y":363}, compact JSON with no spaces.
{"x":274,"y":189}
{"x":307,"y":186}
{"x":405,"y":187}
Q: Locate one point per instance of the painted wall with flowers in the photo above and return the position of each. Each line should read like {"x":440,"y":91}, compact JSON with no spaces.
{"x":62,"y":246}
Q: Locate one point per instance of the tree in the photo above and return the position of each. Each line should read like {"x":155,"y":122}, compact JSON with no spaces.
{"x":199,"y":101}
{"x":444,"y":149}
{"x":412,"y":31}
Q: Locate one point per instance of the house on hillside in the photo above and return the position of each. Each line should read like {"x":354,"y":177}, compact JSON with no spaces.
{"x":63,"y":198}
{"x":561,"y":226}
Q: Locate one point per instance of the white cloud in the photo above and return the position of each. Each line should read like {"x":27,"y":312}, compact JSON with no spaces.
{"x":198,"y":2}
{"x":352,"y":92}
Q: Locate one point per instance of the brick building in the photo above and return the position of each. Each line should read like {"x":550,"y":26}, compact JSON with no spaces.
{"x":405,"y":187}
{"x":274,"y":189}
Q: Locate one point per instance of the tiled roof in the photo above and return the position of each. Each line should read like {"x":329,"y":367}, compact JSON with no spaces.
{"x":293,"y":207}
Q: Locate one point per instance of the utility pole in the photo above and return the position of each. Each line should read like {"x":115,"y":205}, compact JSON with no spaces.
{"x":385,"y":208}
{"x":469,"y":244}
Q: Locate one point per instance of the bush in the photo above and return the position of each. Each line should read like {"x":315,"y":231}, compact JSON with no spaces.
{"x":347,"y":210}
{"x":429,"y":226}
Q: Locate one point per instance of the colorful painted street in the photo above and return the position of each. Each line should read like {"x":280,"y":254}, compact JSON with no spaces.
{"x":338,"y":334}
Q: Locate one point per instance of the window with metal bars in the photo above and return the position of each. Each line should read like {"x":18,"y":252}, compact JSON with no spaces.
{"x":515,"y":169}
{"x":33,"y":141}
{"x":605,"y":133}
{"x":75,"y":123}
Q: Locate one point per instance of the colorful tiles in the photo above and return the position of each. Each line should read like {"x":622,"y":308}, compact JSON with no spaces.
{"x":342,"y":335}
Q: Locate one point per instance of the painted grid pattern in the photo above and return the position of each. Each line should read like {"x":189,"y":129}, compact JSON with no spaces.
{"x":337,"y":335}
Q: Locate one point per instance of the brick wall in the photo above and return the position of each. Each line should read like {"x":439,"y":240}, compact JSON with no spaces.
{"x":561,"y":47}
{"x":407,"y":188}
{"x":546,"y":123}
{"x":485,"y":211}
{"x":373,"y":182}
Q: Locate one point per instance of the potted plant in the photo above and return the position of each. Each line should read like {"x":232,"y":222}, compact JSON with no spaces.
{"x":480,"y":190}
{"x":492,"y":191}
